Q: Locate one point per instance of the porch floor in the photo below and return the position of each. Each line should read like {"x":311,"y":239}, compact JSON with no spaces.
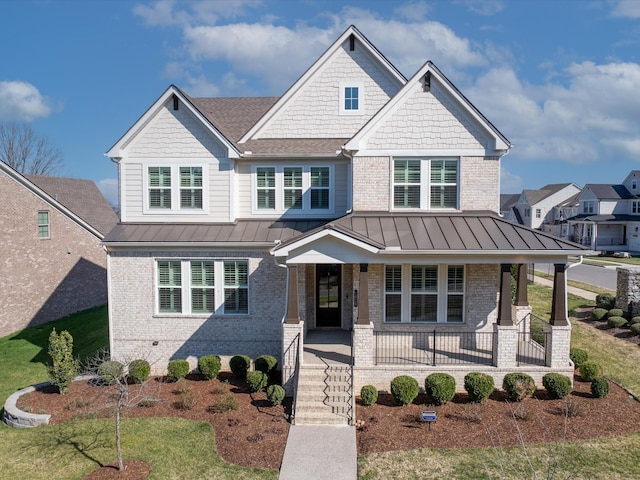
{"x":327,"y":347}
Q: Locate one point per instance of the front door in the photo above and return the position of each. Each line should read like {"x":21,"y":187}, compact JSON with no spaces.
{"x":328,"y":291}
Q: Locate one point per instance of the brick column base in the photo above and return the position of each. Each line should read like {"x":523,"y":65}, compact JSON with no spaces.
{"x":559,"y":346}
{"x":505,"y":346}
{"x":362,"y":345}
{"x":292,"y":353}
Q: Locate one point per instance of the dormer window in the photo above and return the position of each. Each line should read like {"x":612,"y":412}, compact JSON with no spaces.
{"x":634,"y":184}
{"x":351,"y":98}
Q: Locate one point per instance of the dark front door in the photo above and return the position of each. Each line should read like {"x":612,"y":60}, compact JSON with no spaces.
{"x":328,"y":286}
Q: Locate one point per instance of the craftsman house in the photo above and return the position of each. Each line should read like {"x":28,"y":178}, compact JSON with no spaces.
{"x":359,"y":201}
{"x":53,"y":263}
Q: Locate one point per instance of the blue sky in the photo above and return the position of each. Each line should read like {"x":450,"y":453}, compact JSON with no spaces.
{"x":561,"y":79}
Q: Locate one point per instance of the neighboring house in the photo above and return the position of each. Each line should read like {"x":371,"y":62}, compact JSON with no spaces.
{"x":508,"y":210}
{"x":53,"y":263}
{"x":609,"y":216}
{"x":557,"y":224}
{"x":538,"y":207}
{"x":359,"y":200}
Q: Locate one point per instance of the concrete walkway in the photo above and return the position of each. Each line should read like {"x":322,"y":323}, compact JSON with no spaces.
{"x":576,"y":291}
{"x":320,"y":453}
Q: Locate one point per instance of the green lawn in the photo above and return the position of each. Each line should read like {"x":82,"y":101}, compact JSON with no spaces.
{"x":175,"y":448}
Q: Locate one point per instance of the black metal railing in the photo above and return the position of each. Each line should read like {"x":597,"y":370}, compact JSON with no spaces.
{"x":433,"y":348}
{"x":534,"y":342}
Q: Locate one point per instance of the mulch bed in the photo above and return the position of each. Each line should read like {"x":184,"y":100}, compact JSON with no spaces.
{"x":583,"y":315}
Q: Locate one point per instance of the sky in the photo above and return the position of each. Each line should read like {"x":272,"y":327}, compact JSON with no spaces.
{"x":559,"y":78}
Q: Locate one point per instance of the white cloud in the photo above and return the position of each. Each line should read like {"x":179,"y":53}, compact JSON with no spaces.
{"x":510,"y":183}
{"x":626,"y":8}
{"x":170,"y":12}
{"x":21,"y":101}
{"x":483,"y":7}
{"x":109,"y":188}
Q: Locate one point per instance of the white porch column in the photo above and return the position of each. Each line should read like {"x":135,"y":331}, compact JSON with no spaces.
{"x":559,"y":344}
{"x":362,"y":341}
{"x":505,"y":346}
{"x":292,"y":353}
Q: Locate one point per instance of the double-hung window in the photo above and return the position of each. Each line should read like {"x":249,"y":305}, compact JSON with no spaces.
{"x":198,"y":287}
{"x":425,"y":183}
{"x":173,"y":188}
{"x":293,"y":189}
{"x":588,"y":206}
{"x":635,"y":207}
{"x":43,"y":224}
{"x":424,"y":293}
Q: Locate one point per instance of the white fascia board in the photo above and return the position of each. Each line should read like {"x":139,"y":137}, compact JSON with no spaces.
{"x":436,"y":152}
{"x":315,"y":68}
{"x":117,"y":151}
{"x":189,"y":246}
{"x":284,"y":251}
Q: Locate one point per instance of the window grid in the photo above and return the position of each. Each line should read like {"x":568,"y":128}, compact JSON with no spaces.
{"x":190,"y":187}
{"x":202,"y":287}
{"x":393,"y":293}
{"x":635,"y":206}
{"x":43,"y":224}
{"x":455,"y":293}
{"x":266,"y":187}
{"x":444,"y":183}
{"x":406,"y":179}
{"x":236,"y":298}
{"x":424,"y":293}
{"x":169,"y":287}
{"x":351,"y":95}
{"x":292,"y":179}
{"x":320,"y":184}
{"x":425,"y":183}
{"x":160,"y":187}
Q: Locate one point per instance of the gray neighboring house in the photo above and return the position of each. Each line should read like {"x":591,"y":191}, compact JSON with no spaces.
{"x":359,"y":201}
{"x":52,"y":257}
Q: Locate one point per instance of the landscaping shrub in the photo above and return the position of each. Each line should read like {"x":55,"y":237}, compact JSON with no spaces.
{"x":209,"y":366}
{"x":63,"y":367}
{"x":605,"y":300}
{"x":635,"y":328}
{"x":589,"y":371}
{"x":224,"y":404}
{"x":616,"y":322}
{"x":404,"y":389}
{"x":265,"y":363}
{"x":368,"y":395}
{"x":615,"y":312}
{"x":634,"y":320}
{"x":479,"y":386}
{"x":275,"y":394}
{"x":518,"y":386}
{"x":139,"y":371}
{"x":239,"y":365}
{"x":257,"y":380}
{"x":600,"y":387}
{"x":557,"y":385}
{"x":578,"y":356}
{"x":440,"y":388}
{"x":177,"y":369}
{"x":598,"y":313}
{"x":187,"y":401}
{"x":182,"y":386}
{"x":110,"y":371}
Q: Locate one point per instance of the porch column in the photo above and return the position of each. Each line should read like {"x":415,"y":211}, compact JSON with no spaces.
{"x":521,"y":287}
{"x":363,"y":298}
{"x":559,"y":299}
{"x":293,"y":312}
{"x":505,"y":317}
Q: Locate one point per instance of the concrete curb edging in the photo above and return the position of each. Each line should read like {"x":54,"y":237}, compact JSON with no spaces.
{"x":16,"y":418}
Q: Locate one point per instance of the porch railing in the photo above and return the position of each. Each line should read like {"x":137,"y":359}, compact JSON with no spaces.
{"x":433,"y":348}
{"x":533,"y":342}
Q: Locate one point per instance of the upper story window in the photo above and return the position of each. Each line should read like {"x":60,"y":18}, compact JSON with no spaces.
{"x":425,"y":183}
{"x":588,"y":206}
{"x":527,"y":212}
{"x":635,"y":207}
{"x":634,"y":184}
{"x":295,"y":189}
{"x":538,"y":213}
{"x":175,"y":189}
{"x":424,"y":293}
{"x":351,"y":98}
{"x":203,"y":286}
{"x":43,"y":224}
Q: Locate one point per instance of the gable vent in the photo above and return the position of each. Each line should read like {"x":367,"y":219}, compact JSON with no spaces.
{"x":176,"y":103}
{"x":352,"y":42}
{"x":427,"y":82}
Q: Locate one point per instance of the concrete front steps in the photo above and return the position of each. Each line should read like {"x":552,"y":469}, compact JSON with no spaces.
{"x":324,"y":395}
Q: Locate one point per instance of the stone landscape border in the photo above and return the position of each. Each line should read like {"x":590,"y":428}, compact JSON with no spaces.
{"x":16,"y":418}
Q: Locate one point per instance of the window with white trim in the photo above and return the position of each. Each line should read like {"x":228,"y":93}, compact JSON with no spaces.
{"x":43,"y":224}
{"x":174,"y":188}
{"x":295,"y":189}
{"x":635,"y":207}
{"x":351,"y":98}
{"x":588,"y":206}
{"x":197,"y":287}
{"x":424,"y":293}
{"x":538,"y":213}
{"x":425,"y":183}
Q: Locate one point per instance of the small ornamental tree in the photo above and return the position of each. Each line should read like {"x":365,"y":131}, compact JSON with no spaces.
{"x":63,"y":368}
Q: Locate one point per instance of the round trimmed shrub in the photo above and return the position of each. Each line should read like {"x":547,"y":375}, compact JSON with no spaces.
{"x":616,"y":322}
{"x":557,"y":385}
{"x":404,"y":389}
{"x":239,"y":365}
{"x":209,"y":366}
{"x":275,"y":394}
{"x":368,"y":395}
{"x":479,"y":386}
{"x":634,"y":320}
{"x":605,"y":300}
{"x":635,"y":328}
{"x":139,"y":371}
{"x":615,"y":312}
{"x":110,"y":371}
{"x":578,"y":356}
{"x":177,"y":369}
{"x":600,"y":387}
{"x":599,"y":313}
{"x":257,"y":380}
{"x":518,"y":386}
{"x":265,"y":363}
{"x":589,"y":371}
{"x":440,"y":388}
